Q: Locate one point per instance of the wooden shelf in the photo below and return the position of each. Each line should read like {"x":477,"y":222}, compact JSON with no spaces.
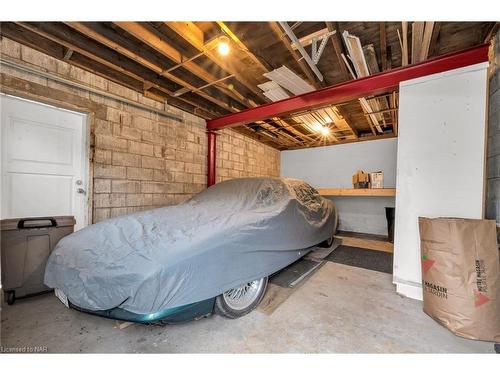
{"x":347,"y":192}
{"x":365,"y":241}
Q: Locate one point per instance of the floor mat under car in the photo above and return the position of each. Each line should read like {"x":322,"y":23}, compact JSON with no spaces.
{"x":357,"y":257}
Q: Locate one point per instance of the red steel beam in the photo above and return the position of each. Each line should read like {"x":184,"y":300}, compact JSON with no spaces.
{"x":351,"y":90}
{"x":212,"y":141}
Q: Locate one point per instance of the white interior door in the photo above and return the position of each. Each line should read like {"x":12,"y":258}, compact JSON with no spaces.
{"x":44,"y":161}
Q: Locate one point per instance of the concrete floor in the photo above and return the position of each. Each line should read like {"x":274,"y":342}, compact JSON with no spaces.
{"x":340,"y":309}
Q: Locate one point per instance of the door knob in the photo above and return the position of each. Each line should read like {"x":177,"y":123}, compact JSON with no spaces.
{"x":81,"y":191}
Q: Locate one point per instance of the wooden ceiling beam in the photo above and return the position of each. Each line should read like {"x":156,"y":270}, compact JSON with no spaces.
{"x":261,"y":63}
{"x":46,"y":31}
{"x":278,"y":31}
{"x":191,"y":34}
{"x":48,"y":47}
{"x":194,"y":36}
{"x":265,"y":69}
{"x":148,"y":37}
{"x":108,"y":42}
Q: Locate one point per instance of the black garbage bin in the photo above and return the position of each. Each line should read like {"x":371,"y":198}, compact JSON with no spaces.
{"x":390,"y":213}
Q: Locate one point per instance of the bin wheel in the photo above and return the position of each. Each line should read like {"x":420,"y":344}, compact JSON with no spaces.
{"x":10,"y":297}
{"x":497,"y":348}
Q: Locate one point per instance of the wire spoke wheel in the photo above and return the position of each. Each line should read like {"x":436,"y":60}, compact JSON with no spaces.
{"x":242,"y":297}
{"x":239,"y":301}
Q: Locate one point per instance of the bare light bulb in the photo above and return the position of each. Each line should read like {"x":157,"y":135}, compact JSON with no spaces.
{"x":325,"y":131}
{"x":223,"y":46}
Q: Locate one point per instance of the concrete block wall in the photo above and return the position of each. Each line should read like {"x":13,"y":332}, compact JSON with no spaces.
{"x":140,"y":159}
{"x":240,"y":156}
{"x":493,"y":148}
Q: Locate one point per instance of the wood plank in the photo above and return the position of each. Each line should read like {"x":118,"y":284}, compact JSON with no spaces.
{"x":338,"y":47}
{"x":434,"y":44}
{"x":417,"y":35}
{"x":383,"y":46}
{"x":307,"y":40}
{"x":371,"y":58}
{"x":350,"y":192}
{"x":365,"y":241}
{"x":278,"y":31}
{"x":275,"y":296}
{"x":426,"y":41}
{"x":404,"y":43}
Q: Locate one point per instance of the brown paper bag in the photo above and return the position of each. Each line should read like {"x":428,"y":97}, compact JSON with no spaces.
{"x":461,"y":275}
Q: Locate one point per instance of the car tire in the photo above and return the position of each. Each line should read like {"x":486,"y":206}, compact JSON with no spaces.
{"x":326,"y":244}
{"x":10,"y":297}
{"x":329,"y":242}
{"x":236,"y":302}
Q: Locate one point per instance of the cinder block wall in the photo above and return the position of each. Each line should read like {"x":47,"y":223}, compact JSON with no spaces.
{"x":240,"y":156}
{"x":140,"y":159}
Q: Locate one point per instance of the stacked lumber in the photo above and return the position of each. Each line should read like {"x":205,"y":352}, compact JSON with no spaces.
{"x":356,"y":53}
{"x":284,"y":83}
{"x":421,"y":37}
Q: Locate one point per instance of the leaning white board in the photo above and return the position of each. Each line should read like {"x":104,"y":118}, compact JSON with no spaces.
{"x":440,"y":160}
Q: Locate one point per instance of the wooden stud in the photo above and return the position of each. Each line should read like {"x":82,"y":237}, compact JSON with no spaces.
{"x":404,"y":43}
{"x":417,"y":35}
{"x":426,"y":41}
{"x":383,"y":46}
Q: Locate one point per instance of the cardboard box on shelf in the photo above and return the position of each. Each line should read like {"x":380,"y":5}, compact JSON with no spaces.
{"x":360,"y":180}
{"x":377,"y":180}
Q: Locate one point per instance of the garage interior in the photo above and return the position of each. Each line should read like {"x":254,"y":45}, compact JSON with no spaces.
{"x":159,"y":111}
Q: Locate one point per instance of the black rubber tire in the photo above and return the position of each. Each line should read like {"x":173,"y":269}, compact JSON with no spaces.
{"x":10,"y":297}
{"x":222,"y":309}
{"x":497,"y":348}
{"x":329,"y":242}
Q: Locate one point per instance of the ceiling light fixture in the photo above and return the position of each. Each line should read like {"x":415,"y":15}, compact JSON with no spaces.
{"x":223,"y":46}
{"x":325,"y":131}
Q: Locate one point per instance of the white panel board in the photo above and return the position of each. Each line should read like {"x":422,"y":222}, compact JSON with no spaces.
{"x":440,"y":162}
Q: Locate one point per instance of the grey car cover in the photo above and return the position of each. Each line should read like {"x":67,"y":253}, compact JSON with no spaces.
{"x":233,"y":232}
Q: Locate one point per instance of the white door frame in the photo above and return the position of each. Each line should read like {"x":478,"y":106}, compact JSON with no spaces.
{"x":85,"y":159}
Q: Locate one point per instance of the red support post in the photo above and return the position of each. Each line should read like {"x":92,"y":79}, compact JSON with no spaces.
{"x":351,"y":90}
{"x":211,"y":157}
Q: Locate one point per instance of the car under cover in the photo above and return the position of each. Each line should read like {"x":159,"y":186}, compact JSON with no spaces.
{"x":233,"y":232}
